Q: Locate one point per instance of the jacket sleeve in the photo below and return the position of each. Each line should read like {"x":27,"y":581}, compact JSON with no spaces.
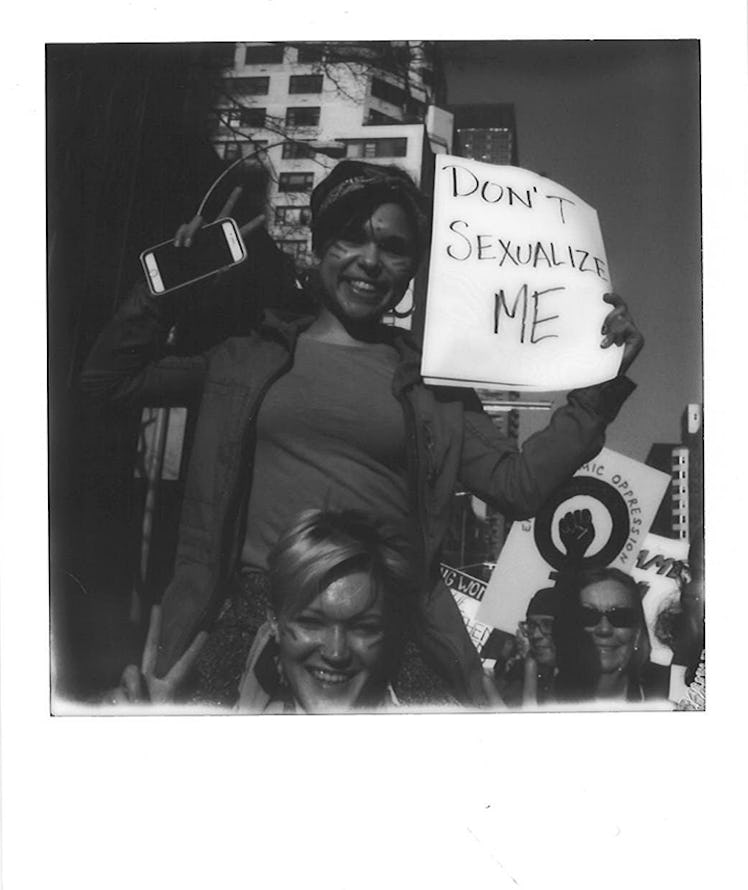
{"x":519,"y":482}
{"x":128,"y":365}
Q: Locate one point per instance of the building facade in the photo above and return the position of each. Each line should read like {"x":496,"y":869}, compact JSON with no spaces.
{"x":298,"y":108}
{"x":486,"y":132}
{"x":681,"y":512}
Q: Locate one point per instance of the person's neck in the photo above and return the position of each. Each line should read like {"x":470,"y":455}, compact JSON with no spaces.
{"x":328,"y":328}
{"x":611,"y":686}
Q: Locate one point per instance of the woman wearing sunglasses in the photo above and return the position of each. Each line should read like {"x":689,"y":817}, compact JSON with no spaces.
{"x":602,"y":642}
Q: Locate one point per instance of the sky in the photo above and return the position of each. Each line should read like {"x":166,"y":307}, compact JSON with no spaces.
{"x":618,"y":124}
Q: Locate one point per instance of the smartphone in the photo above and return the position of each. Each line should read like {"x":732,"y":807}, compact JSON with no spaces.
{"x":216,"y":247}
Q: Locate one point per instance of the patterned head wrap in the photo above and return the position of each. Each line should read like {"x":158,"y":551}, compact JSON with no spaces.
{"x":355,"y":189}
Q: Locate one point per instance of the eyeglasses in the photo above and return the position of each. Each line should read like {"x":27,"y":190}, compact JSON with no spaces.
{"x":542,"y":625}
{"x":623,"y":616}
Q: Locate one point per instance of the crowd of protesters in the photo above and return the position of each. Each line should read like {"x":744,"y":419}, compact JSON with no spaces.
{"x":319,"y":487}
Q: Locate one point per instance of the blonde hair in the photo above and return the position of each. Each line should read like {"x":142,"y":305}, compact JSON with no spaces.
{"x":324,"y":545}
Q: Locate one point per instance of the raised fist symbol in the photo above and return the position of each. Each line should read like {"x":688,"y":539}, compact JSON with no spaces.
{"x":577,"y":533}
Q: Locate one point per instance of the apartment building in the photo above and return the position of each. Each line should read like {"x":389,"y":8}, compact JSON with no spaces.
{"x":297,"y":108}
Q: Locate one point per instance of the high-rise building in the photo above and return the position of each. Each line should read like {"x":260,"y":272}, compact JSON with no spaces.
{"x":486,"y":132}
{"x":681,"y":512}
{"x":300,"y":107}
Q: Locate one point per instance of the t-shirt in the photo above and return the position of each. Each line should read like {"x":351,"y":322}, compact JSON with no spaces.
{"x":330,"y":435}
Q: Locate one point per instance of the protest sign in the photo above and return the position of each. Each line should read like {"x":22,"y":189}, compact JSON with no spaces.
{"x":468,"y":593}
{"x":622,"y":497}
{"x":657,"y":566}
{"x":517,"y":274}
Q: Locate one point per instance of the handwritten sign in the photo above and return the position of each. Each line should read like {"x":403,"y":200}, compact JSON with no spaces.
{"x":468,"y":593}
{"x":518,"y":270}
{"x":622,"y":496}
{"x":657,"y":567}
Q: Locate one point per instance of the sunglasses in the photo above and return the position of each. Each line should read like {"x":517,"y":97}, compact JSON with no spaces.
{"x":623,"y":616}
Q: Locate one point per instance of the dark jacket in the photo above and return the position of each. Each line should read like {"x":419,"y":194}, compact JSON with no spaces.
{"x":448,"y":436}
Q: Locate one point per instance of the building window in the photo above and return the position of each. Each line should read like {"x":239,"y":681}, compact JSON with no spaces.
{"x":296,"y":150}
{"x":310,"y":53}
{"x":295,"y":182}
{"x":304,"y":116}
{"x":249,"y":86}
{"x":377,"y":148}
{"x":243,"y":117}
{"x":292,"y":216}
{"x":264,"y":54}
{"x":376,"y":117}
{"x":388,"y":92}
{"x":296,"y":248}
{"x":305,"y":83}
{"x":231,"y":150}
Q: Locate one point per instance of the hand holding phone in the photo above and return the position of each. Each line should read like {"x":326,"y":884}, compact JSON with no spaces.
{"x":168,"y":267}
{"x":189,"y":257}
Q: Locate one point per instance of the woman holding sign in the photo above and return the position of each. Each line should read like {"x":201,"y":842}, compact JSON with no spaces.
{"x":331,"y":411}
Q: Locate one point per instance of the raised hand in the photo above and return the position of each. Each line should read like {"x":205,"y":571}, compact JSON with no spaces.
{"x":185,"y":234}
{"x":143,"y":685}
{"x":619,"y":328}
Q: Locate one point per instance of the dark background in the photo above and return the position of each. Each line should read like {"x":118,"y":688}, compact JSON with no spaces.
{"x":128,"y":160}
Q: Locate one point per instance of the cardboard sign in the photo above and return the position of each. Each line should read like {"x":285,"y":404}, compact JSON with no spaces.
{"x":468,"y":593}
{"x":657,"y":566}
{"x":622,"y":496}
{"x":518,"y":270}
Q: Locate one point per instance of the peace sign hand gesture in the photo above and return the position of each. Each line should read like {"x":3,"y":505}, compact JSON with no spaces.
{"x":143,"y":685}
{"x":186,"y":233}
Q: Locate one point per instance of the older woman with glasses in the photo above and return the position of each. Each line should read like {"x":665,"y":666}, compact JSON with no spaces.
{"x":528,"y":678}
{"x":602,"y":641}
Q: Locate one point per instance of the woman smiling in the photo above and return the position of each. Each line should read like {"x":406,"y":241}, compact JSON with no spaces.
{"x":602,"y":641}
{"x":338,"y":588}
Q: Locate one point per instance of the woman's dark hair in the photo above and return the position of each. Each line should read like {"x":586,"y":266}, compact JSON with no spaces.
{"x":576,"y":658}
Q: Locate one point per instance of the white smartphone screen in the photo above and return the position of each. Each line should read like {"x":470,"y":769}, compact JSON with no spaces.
{"x":216,"y":246}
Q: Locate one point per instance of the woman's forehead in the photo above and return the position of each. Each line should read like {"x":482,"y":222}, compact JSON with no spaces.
{"x":606,"y":593}
{"x":389,"y":218}
{"x":347,"y":597}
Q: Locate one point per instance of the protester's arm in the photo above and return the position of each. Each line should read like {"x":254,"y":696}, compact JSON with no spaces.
{"x":520,"y":482}
{"x":142,"y":685}
{"x":127,"y":364}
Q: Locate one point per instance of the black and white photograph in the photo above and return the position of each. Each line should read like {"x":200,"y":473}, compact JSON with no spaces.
{"x":371,"y":387}
{"x":380,"y":369}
